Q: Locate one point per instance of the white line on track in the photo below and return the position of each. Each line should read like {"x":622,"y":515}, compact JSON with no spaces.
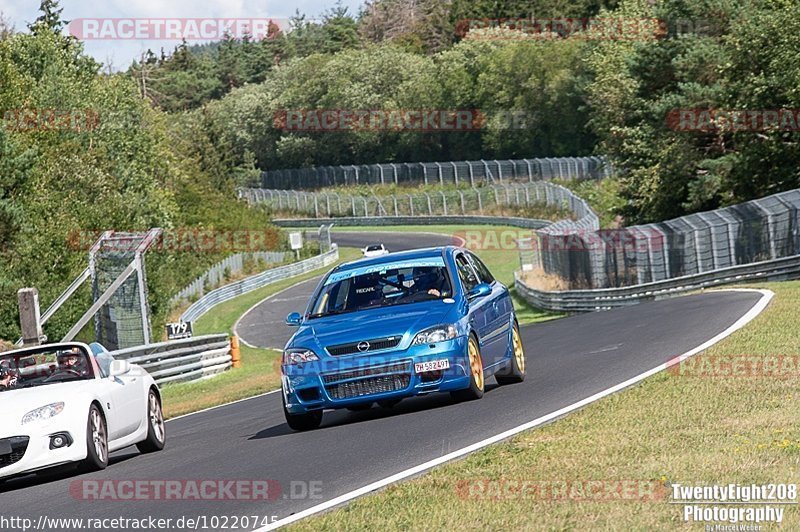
{"x":766,"y":297}
{"x":269,"y":297}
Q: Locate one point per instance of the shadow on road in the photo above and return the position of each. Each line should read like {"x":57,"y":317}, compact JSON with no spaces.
{"x":55,"y":474}
{"x":337,"y":418}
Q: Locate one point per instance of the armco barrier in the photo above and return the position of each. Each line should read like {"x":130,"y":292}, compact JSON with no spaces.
{"x":181,"y":360}
{"x":233,"y":264}
{"x":528,"y":223}
{"x":608,"y":298}
{"x":215,"y":297}
{"x":594,"y":299}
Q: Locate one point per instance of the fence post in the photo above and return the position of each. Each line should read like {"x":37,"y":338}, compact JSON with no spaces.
{"x":29,"y":316}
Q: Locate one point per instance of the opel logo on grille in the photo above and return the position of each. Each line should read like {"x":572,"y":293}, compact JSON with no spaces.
{"x":363,"y":346}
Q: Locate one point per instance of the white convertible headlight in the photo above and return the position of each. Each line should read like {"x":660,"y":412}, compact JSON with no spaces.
{"x":45,"y":412}
{"x":440,"y":333}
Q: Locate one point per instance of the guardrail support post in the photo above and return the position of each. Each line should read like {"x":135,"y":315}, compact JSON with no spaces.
{"x":29,"y":316}
{"x":236,"y":354}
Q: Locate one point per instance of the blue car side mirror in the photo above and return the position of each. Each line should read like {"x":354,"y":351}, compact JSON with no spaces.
{"x":294,"y":319}
{"x":481,"y":290}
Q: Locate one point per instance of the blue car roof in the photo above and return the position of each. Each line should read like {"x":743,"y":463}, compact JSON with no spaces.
{"x":398,"y":255}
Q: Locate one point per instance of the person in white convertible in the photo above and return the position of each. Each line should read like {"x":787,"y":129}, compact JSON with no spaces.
{"x":8,"y":377}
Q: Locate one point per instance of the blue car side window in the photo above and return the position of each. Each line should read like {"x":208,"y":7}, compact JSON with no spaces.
{"x":483,"y":272}
{"x":466,"y":273}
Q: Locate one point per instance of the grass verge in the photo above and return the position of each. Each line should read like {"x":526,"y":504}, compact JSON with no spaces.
{"x":669,"y":428}
{"x":257,"y":374}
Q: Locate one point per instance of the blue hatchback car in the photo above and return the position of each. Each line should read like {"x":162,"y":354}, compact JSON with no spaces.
{"x":396,"y":326}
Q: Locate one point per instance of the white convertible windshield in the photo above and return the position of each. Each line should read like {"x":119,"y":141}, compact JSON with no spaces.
{"x":40,"y":367}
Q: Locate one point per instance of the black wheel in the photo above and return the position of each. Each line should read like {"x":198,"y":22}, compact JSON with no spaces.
{"x":476,"y":381}
{"x":156,"y":429}
{"x":388,"y":403}
{"x":301,"y":422}
{"x":515,"y":371}
{"x":360,"y":408}
{"x":96,"y":441}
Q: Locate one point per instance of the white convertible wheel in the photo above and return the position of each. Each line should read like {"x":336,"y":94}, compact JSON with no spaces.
{"x":156,"y":430}
{"x":156,"y":418}
{"x":99,"y":436}
{"x":96,"y":441}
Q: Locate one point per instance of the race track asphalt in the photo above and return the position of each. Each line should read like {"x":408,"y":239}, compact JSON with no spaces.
{"x":568,"y":360}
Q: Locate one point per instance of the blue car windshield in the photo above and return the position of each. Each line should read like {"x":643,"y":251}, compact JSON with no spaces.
{"x":382,"y":285}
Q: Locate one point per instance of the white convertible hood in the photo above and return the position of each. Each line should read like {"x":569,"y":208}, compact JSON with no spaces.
{"x":16,"y":403}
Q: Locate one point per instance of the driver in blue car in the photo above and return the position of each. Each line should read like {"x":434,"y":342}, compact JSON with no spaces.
{"x":435,"y":283}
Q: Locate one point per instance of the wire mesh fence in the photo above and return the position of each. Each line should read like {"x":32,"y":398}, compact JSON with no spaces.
{"x":446,"y":202}
{"x":591,"y":258}
{"x":471,"y":172}
{"x":124,"y":319}
{"x":575,"y":250}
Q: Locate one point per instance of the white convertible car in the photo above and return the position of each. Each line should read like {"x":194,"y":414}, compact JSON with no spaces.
{"x":64,"y":403}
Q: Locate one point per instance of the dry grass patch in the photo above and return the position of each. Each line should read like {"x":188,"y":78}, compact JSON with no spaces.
{"x":541,"y":280}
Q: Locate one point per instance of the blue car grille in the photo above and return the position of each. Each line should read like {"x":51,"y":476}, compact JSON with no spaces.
{"x":368,"y":381}
{"x":399,"y":367}
{"x":375,"y":344}
{"x":19,"y":444}
{"x":369,"y":386}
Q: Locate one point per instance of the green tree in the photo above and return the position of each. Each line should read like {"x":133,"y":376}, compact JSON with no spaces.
{"x":49,"y":19}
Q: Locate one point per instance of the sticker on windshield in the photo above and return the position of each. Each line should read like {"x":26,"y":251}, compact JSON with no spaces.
{"x":435,"y":262}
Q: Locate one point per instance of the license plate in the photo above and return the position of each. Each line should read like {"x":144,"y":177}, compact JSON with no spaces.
{"x":433,"y":365}
{"x":5,"y":447}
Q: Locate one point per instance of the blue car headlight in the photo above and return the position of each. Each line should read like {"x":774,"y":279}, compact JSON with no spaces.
{"x":298,"y":356}
{"x":432,"y":335}
{"x":43,"y":413}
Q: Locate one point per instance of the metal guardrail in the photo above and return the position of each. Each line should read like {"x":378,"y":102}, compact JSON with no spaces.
{"x":181,"y":360}
{"x":215,"y":297}
{"x":608,"y":298}
{"x":588,"y":300}
{"x":528,"y":223}
{"x":232,"y":264}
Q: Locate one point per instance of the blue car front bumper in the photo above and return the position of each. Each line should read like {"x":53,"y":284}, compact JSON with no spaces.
{"x":339,"y":382}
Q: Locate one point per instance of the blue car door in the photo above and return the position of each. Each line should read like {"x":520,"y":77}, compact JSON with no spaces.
{"x":498,"y":312}
{"x":479,"y":308}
